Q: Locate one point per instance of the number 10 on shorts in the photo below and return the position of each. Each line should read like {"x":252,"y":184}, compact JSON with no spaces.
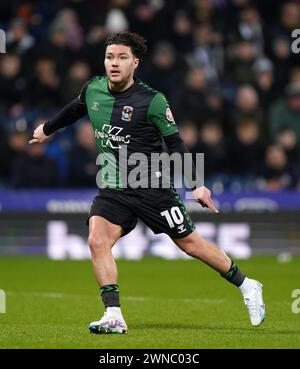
{"x":173,"y":216}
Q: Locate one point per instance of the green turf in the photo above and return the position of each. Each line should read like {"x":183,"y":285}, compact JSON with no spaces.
{"x":167,"y":304}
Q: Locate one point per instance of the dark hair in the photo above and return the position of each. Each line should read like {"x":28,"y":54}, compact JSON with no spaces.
{"x":133,"y":40}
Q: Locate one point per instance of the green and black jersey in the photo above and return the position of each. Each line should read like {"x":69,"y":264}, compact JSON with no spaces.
{"x":141,"y":112}
{"x":132,"y":121}
{"x":137,"y":118}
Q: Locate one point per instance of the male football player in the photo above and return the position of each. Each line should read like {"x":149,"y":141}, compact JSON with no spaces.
{"x":125,"y":112}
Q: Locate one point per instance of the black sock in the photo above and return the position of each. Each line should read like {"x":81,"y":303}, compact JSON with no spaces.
{"x":110,"y":295}
{"x":234,"y":275}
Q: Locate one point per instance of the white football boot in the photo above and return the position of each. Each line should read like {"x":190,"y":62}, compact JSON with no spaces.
{"x":112,"y":322}
{"x":254,"y":301}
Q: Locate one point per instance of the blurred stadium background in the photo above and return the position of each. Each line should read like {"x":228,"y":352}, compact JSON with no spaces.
{"x":228,"y":69}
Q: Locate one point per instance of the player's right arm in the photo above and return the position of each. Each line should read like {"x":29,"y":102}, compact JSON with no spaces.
{"x":67,"y":116}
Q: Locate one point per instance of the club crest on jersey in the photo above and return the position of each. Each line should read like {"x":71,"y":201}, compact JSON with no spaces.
{"x":127,"y":113}
{"x":169,"y":115}
{"x":95,"y":106}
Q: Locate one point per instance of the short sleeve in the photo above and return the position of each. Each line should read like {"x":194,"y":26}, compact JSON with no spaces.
{"x":160,"y":114}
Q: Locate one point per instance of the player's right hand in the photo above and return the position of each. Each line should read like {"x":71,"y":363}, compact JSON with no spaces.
{"x":38,"y":135}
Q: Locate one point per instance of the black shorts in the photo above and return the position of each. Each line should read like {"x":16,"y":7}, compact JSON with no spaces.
{"x":160,"y":209}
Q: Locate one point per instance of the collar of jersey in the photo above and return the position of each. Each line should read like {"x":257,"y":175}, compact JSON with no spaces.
{"x":129,"y":89}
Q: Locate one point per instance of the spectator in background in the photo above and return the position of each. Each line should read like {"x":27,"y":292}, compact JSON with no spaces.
{"x":55,"y":48}
{"x":12,"y":83}
{"x":82,"y":159}
{"x":152,"y":18}
{"x":212,"y":144}
{"x":44,"y":91}
{"x":280,"y":39}
{"x":56,"y":148}
{"x":264,"y":84}
{"x":87,"y":13}
{"x":12,"y":148}
{"x":250,"y":28}
{"x":294,"y":76}
{"x":234,"y":8}
{"x":240,"y":59}
{"x":208,"y":52}
{"x":165,"y":69}
{"x":215,"y":106}
{"x":287,"y":139}
{"x":95,"y":45}
{"x":190,"y":136}
{"x":245,"y":149}
{"x":33,"y":169}
{"x":276,"y":173}
{"x":286,"y":112}
{"x":246,"y":106}
{"x":78,"y":74}
{"x":17,"y":141}
{"x":182,"y":37}
{"x":191,"y":100}
{"x":18,"y":39}
{"x":289,"y":19}
{"x":281,"y":52}
{"x":203,"y":11}
{"x":209,"y":142}
{"x":66,"y":20}
{"x":116,"y":17}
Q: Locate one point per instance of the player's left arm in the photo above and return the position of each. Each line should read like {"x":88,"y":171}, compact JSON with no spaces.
{"x":201,"y":194}
{"x":161,"y":114}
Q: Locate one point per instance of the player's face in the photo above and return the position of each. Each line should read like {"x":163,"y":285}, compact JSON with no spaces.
{"x":120,"y":63}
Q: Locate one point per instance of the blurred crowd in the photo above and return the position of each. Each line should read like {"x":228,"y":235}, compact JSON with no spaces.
{"x":226,"y":66}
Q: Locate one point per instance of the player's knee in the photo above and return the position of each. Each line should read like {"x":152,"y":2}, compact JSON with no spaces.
{"x":193,"y":248}
{"x":98,"y":244}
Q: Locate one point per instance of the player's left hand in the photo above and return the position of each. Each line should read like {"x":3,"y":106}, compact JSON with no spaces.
{"x":203,"y":196}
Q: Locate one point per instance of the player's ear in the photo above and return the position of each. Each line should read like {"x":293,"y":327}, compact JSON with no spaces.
{"x":136,"y":62}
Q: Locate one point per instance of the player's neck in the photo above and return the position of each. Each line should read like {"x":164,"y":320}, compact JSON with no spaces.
{"x":120,"y":86}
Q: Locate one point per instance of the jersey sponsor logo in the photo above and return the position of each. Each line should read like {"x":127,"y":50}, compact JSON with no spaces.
{"x":127,"y":113}
{"x":110,"y":136}
{"x":95,"y":106}
{"x":169,"y":115}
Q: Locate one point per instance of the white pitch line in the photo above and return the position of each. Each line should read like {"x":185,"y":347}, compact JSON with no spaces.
{"x":59,"y":295}
{"x":53,"y":295}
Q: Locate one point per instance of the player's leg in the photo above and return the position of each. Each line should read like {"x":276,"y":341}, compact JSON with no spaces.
{"x":109,"y":219}
{"x":163,"y":211}
{"x":197,"y":247}
{"x":102,"y":236}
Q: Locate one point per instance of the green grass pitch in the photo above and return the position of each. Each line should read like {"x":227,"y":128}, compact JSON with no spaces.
{"x":167,"y":304}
